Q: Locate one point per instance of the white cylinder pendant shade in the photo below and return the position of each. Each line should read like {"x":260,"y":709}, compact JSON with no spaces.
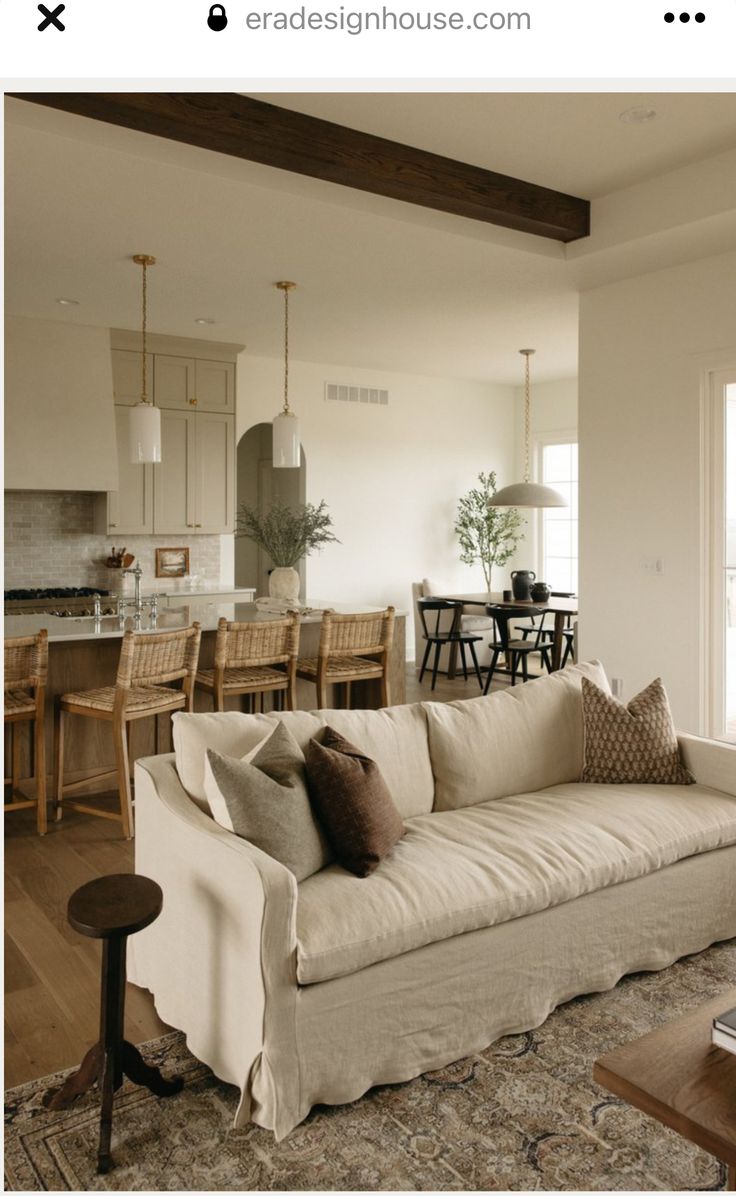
{"x":527,"y":494}
{"x":145,"y":434}
{"x":286,"y":446}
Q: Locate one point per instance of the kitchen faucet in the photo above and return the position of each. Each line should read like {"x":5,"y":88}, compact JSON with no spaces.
{"x":138,"y":601}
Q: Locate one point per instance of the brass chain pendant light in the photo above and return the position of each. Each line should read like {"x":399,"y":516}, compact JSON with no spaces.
{"x":145,"y":419}
{"x":286,"y":445}
{"x":527,"y":493}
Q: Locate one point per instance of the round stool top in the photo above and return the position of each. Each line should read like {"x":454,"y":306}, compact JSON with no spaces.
{"x":115,"y":905}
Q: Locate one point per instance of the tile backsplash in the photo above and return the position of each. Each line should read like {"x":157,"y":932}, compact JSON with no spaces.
{"x":50,"y":541}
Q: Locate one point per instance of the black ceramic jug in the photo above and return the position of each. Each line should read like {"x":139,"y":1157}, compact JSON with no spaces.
{"x":521,"y":582}
{"x":541,"y":592}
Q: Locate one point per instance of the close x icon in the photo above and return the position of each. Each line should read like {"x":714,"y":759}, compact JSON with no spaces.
{"x":51,"y":17}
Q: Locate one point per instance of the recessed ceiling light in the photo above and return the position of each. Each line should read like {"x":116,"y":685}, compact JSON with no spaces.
{"x":68,"y":302}
{"x":204,"y":320}
{"x":638,"y":115}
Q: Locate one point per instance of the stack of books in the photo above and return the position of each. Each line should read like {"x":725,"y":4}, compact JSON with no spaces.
{"x":723,"y":1033}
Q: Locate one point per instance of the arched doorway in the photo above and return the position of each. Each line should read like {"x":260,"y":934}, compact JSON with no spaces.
{"x":258,"y":485}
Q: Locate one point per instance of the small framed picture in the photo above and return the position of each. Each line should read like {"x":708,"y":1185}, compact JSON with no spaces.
{"x":172,"y":562}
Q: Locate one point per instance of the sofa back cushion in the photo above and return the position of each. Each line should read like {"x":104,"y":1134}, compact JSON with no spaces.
{"x":396,"y":738}
{"x":516,"y":741}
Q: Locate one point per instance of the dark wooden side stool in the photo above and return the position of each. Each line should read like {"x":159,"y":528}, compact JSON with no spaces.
{"x":110,"y":909}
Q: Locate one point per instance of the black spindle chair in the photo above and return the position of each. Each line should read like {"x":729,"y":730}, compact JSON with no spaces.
{"x":515,"y":651}
{"x":437,"y":609}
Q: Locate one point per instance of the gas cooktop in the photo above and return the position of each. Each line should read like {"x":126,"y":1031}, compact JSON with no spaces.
{"x":57,"y":600}
{"x":53,"y":592}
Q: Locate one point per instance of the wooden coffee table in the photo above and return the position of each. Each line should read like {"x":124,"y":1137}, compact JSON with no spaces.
{"x":676,"y":1075}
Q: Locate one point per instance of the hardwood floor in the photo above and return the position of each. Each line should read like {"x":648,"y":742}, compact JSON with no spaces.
{"x":52,"y":974}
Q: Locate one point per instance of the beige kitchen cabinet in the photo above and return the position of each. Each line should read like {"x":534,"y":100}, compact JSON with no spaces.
{"x":129,"y":509}
{"x":127,"y":380}
{"x":194,"y":483}
{"x":181,"y":383}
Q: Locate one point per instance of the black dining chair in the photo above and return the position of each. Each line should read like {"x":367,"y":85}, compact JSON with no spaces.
{"x":516,"y":651}
{"x":547,"y":633}
{"x":433,"y":612}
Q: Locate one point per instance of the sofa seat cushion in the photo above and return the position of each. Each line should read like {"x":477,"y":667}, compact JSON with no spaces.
{"x":462,"y":870}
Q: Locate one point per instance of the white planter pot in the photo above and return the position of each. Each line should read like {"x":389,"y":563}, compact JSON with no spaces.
{"x":283,"y":583}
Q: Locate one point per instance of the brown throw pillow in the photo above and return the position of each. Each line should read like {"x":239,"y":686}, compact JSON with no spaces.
{"x":352,"y":802}
{"x":634,"y":744}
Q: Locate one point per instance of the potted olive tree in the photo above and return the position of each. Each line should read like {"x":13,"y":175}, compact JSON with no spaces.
{"x":286,"y":534}
{"x":488,"y":535}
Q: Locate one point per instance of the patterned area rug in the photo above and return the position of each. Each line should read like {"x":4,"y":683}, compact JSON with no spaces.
{"x":522,"y":1115}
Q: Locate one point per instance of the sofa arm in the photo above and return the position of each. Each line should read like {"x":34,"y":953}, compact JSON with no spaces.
{"x":224,"y":946}
{"x":711,"y":761}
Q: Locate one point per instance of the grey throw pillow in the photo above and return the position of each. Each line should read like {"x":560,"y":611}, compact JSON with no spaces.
{"x":265,"y":800}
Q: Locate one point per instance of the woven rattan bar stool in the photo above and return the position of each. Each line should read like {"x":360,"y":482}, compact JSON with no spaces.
{"x":253,"y":659}
{"x":149,"y":662}
{"x":26,"y":669}
{"x":351,"y":648}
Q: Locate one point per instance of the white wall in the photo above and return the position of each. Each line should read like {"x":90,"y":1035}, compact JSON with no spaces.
{"x":59,"y":415}
{"x":645,"y":344}
{"x":391,"y":476}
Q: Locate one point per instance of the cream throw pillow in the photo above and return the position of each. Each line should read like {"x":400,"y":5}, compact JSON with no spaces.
{"x":630,"y":745}
{"x":265,"y":800}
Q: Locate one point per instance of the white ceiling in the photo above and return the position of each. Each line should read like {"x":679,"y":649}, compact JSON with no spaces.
{"x":382,"y":284}
{"x":571,"y":142}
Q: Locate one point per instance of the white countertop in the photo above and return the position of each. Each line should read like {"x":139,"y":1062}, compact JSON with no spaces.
{"x":191,"y":608}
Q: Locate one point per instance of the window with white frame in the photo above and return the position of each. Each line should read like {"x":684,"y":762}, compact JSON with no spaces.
{"x":558,"y":531}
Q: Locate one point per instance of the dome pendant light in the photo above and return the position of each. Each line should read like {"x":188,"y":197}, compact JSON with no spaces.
{"x":526,"y":493}
{"x":286,"y":446}
{"x":145,"y":419}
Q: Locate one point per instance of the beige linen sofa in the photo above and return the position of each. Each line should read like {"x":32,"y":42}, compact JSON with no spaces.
{"x":515,"y":888}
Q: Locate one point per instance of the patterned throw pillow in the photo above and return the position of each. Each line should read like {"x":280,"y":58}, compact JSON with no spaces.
{"x":352,"y":802}
{"x":263,"y":798}
{"x":634,"y":744}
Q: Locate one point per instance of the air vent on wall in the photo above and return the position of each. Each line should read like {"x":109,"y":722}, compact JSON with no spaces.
{"x":337,"y":392}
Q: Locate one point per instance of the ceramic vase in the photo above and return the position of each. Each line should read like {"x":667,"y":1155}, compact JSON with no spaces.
{"x":283,"y":583}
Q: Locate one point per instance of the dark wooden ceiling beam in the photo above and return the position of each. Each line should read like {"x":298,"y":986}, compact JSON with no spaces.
{"x":241,"y":127}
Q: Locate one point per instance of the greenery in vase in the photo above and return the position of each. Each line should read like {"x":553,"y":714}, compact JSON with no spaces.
{"x":287,"y":533}
{"x":488,"y":535}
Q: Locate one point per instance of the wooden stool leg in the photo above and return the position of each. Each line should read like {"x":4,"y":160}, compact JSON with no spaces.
{"x":112,"y":1006}
{"x":348,"y":694}
{"x":77,"y":1083}
{"x":110,"y":1037}
{"x":39,"y":737}
{"x":123,"y":767}
{"x":385,"y":686}
{"x":140,"y":1072}
{"x":291,"y":693}
{"x":15,"y":756}
{"x":321,"y":695}
{"x":59,"y":725}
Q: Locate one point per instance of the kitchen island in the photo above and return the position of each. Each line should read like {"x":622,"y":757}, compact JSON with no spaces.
{"x":84,"y":655}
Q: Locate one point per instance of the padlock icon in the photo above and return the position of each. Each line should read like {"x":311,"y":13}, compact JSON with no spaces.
{"x":217,"y":20}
